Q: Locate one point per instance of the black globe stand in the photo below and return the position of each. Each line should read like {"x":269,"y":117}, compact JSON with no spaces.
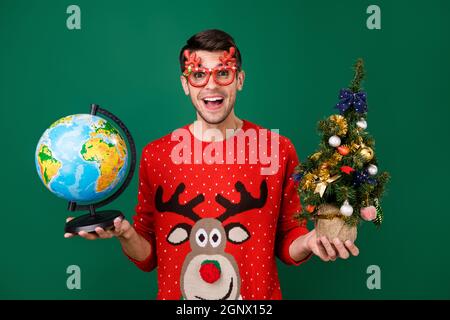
{"x":88,"y":222}
{"x":103,"y":219}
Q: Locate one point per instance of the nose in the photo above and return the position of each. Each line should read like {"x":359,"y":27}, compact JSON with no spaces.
{"x":210,"y":271}
{"x":211,"y":84}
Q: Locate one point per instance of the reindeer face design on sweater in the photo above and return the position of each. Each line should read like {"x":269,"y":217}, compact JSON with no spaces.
{"x":208,"y":272}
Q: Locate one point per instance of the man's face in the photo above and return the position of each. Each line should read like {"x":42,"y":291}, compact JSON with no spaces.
{"x":213,"y":102}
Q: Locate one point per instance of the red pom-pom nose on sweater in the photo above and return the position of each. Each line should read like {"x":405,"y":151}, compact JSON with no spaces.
{"x":210,"y":271}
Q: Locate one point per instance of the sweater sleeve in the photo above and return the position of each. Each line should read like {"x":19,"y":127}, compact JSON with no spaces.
{"x":143,"y":219}
{"x":288,"y":228}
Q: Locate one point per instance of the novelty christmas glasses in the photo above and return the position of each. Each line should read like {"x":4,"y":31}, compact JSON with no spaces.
{"x":198,"y":76}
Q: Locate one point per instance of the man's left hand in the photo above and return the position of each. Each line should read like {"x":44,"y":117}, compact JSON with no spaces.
{"x":325,"y":249}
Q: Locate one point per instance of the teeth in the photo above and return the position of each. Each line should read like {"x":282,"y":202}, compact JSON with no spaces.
{"x":213,"y":99}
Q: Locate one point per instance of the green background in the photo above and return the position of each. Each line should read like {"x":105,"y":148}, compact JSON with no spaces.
{"x":297,"y":55}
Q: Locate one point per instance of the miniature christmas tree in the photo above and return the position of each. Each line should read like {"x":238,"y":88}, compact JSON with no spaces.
{"x":340,"y":185}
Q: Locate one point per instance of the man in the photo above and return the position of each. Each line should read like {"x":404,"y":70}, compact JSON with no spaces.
{"x":215,"y":206}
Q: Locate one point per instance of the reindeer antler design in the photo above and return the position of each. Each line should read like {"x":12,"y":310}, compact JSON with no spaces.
{"x":173,"y":204}
{"x":228,"y":58}
{"x":192,"y":61}
{"x":247,"y":201}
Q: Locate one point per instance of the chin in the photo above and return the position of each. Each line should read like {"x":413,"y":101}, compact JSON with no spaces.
{"x":214,"y":119}
{"x":215,"y":116}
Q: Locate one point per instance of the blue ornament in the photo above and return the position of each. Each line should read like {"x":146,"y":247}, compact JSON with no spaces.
{"x":362,"y":177}
{"x":348,"y":98}
{"x":297,"y":176}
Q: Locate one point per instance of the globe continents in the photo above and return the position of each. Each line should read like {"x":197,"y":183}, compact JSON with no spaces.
{"x":81,"y":158}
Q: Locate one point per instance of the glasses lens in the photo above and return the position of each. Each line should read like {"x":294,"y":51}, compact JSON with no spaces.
{"x":224,"y":76}
{"x":198,"y":78}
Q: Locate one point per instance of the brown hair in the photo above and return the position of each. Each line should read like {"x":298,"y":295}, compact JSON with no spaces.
{"x":210,"y":40}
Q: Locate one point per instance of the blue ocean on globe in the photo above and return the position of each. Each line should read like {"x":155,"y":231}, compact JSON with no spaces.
{"x":81,"y":158}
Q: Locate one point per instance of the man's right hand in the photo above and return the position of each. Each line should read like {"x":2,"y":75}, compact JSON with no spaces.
{"x":122,"y":230}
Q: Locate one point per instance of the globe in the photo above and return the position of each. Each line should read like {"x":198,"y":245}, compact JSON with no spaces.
{"x":82,"y":158}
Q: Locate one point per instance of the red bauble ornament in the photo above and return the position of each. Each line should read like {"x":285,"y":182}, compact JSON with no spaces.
{"x":310,"y":208}
{"x":343,"y":150}
{"x":210,"y":271}
{"x":347,"y":169}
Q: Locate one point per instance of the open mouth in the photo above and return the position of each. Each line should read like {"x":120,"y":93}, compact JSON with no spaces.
{"x":225,"y":297}
{"x":213,"y":102}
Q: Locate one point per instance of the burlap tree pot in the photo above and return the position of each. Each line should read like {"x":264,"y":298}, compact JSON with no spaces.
{"x":330,"y":224}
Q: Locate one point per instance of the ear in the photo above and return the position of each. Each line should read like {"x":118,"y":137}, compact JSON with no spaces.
{"x":179,"y":234}
{"x":184,"y":84}
{"x":240,"y":80}
{"x":236,"y":233}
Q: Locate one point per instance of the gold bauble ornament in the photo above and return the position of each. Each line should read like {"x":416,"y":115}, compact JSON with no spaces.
{"x":366,"y":153}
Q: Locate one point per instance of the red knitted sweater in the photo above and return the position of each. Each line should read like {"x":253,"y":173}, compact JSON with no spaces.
{"x":215,"y":228}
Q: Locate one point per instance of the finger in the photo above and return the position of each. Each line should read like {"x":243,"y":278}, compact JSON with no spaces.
{"x":320,"y":251}
{"x":87,"y":236}
{"x":118,"y":225}
{"x":69,"y":235}
{"x":352,"y":248}
{"x":123,"y":227}
{"x":330,"y":251}
{"x":321,"y":254}
{"x":341,"y":249}
{"x":102,"y":233}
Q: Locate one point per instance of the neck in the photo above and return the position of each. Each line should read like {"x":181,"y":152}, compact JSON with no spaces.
{"x":205,"y":131}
